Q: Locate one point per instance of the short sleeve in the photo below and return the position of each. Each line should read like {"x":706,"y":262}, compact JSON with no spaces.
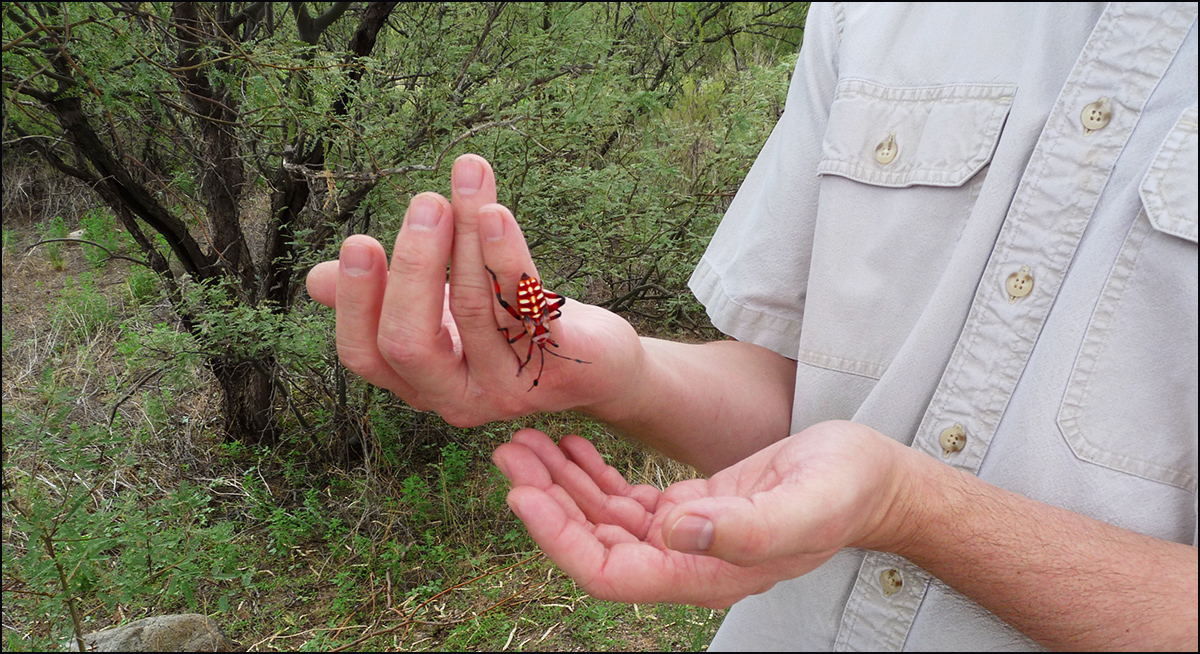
{"x":753,"y":276}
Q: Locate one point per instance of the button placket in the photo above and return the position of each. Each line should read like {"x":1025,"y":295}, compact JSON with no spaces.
{"x":997,"y":337}
{"x":977,"y":384}
{"x":884,"y":602}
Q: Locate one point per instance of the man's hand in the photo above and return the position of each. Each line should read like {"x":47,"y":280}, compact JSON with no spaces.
{"x":436,"y":344}
{"x":775,"y":515}
{"x":1063,"y":579}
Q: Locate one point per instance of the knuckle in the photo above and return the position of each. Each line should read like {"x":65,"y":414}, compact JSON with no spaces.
{"x":472,"y":303}
{"x":471,"y":310}
{"x":411,"y":261}
{"x":400,"y":351}
{"x":356,"y":359}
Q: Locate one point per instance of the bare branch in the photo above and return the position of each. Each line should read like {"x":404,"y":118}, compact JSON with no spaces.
{"x":80,"y":240}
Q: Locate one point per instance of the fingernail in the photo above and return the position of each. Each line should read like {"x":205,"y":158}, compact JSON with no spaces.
{"x":423,"y":214}
{"x":468,"y":176}
{"x":491,"y":225}
{"x":356,"y":259}
{"x":691,"y":533}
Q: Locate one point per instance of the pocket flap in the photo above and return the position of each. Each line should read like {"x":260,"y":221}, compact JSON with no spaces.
{"x":941,"y":135}
{"x":1169,"y":188}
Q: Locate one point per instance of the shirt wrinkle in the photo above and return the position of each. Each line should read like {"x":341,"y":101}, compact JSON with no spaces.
{"x":888,"y":278}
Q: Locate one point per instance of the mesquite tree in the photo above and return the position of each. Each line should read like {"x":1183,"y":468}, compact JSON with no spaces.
{"x":235,"y":142}
{"x":148,"y":105}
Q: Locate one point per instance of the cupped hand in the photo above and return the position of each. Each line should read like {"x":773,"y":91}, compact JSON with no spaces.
{"x":437,"y":343}
{"x":775,"y":515}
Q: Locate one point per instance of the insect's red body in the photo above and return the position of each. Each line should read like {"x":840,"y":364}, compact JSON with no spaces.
{"x":536,"y":307}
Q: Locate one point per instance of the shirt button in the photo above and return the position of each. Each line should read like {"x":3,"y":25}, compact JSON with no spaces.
{"x":890,"y":581}
{"x":885,"y":152}
{"x":953,"y":439}
{"x":1019,"y":284}
{"x":1096,"y":116}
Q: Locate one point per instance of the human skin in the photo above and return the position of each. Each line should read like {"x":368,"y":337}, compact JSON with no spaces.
{"x":775,"y":506}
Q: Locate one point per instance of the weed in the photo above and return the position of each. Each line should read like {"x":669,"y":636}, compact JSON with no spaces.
{"x":478,"y":632}
{"x":66,"y":523}
{"x":10,"y":242}
{"x":82,"y":310}
{"x":415,"y":495}
{"x":99,"y":226}
{"x":56,"y":229}
{"x":454,"y":465}
{"x":143,"y":285}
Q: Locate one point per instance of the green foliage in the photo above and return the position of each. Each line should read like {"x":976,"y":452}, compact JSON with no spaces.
{"x":65,"y":529}
{"x":618,"y":133}
{"x":100,"y":227}
{"x":143,"y":285}
{"x":415,"y":494}
{"x":454,"y":467}
{"x":229,"y":329}
{"x":54,"y":251}
{"x":10,"y":242}
{"x":82,"y":310}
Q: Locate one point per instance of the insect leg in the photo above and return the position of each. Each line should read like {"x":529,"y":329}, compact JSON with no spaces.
{"x":507,"y":307}
{"x":552,"y":352}
{"x":528,"y":356}
{"x":512,"y":339}
{"x":541,"y":349}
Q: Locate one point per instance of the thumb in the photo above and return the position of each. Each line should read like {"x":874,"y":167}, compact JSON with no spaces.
{"x":742,"y":531}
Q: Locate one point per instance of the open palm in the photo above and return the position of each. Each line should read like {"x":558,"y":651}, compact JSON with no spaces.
{"x":775,"y":515}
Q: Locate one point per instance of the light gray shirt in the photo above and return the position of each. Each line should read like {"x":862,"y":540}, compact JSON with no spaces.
{"x":974,"y":228}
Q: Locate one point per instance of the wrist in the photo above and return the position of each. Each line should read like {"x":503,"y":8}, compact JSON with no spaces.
{"x":622,"y":403}
{"x":917,"y":504}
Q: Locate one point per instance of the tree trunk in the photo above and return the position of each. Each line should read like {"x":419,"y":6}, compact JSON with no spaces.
{"x":247,"y":392}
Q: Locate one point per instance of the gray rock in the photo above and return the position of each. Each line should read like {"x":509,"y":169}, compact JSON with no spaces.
{"x":185,"y":632}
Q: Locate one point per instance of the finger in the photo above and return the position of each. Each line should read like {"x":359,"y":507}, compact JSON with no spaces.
{"x":569,"y":543}
{"x":626,"y":570}
{"x":581,"y":451}
{"x":362,"y":276}
{"x":322,"y":283}
{"x":412,"y":334}
{"x":598,"y":506}
{"x":610,"y":535}
{"x":759,"y":530}
{"x":523,"y":468}
{"x":472,"y":295}
{"x":504,"y":253}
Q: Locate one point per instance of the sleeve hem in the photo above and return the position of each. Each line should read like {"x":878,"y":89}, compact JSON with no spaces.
{"x":780,"y":335}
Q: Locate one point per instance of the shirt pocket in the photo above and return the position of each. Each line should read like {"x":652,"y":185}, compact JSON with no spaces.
{"x":901,"y":171}
{"x":1131,"y":401}
{"x":908,"y":136}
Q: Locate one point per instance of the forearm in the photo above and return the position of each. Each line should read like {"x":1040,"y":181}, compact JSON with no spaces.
{"x":707,"y":405}
{"x":1065,"y":580}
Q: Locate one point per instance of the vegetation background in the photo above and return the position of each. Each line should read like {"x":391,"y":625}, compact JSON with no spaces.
{"x":178,"y":435}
